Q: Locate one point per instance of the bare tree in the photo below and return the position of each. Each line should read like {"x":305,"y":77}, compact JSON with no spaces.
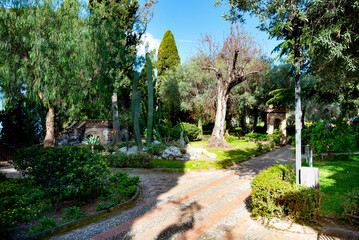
{"x":233,"y":61}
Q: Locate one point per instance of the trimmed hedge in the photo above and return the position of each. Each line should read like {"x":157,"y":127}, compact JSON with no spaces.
{"x":64,"y":172}
{"x":275,"y":194}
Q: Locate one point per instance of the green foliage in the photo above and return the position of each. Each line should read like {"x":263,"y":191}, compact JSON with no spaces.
{"x":168,"y":90}
{"x":275,"y":194}
{"x":2,"y":177}
{"x":72,"y":213}
{"x":156,"y":149}
{"x":20,"y":201}
{"x":127,"y":161}
{"x":191,"y":130}
{"x":44,"y":224}
{"x":64,"y":172}
{"x":120,"y":189}
{"x":150,"y":108}
{"x":93,"y":141}
{"x":167,"y":54}
{"x":255,"y":137}
{"x":330,"y":136}
{"x":351,"y":206}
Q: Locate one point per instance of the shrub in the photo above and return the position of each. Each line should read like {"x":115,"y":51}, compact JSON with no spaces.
{"x":20,"y":201}
{"x":123,"y":160}
{"x":64,"y":172}
{"x":275,"y":194}
{"x":328,"y":136}
{"x":72,"y":213}
{"x":156,"y":149}
{"x":120,"y":188}
{"x":229,"y":138}
{"x":351,"y":206}
{"x":44,"y":224}
{"x":256,"y":137}
{"x":191,"y":130}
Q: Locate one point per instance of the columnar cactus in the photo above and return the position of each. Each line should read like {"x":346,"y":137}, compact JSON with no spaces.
{"x":150,"y":102}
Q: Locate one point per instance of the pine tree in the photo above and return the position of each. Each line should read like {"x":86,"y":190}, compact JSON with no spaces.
{"x":167,"y":54}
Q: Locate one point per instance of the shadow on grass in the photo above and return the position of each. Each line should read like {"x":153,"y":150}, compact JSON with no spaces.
{"x":338,"y":176}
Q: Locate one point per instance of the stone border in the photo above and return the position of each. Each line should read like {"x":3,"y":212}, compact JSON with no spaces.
{"x":66,"y":227}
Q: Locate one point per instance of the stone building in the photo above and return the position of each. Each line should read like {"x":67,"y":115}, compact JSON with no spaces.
{"x":76,"y":133}
{"x":276,"y":119}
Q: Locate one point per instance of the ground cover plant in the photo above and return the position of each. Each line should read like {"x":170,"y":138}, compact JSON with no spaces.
{"x":57,"y":177}
{"x":20,"y":201}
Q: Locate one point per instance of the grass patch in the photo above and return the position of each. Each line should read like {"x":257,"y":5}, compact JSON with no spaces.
{"x":337,"y":177}
{"x":241,"y":149}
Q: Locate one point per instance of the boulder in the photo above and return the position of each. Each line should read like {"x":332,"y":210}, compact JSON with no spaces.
{"x":132,"y":150}
{"x":171,"y":152}
{"x":156,"y":142}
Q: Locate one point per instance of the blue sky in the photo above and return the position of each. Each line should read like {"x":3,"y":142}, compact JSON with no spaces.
{"x":188,"y":19}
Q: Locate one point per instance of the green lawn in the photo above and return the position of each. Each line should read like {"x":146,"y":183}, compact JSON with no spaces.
{"x":337,"y":177}
{"x":241,"y":149}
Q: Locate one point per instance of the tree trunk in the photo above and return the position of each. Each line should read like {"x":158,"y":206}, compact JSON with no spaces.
{"x":115,"y":120}
{"x":255,"y":119}
{"x":200,"y":126}
{"x":49,"y":140}
{"x":217,"y":138}
{"x":304,"y":109}
{"x":298,"y":108}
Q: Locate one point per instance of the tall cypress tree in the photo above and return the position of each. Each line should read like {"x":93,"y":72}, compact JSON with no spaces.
{"x":167,"y":54}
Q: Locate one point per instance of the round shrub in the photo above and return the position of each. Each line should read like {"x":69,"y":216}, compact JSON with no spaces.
{"x":191,"y":130}
{"x":275,"y":194}
{"x":64,"y":172}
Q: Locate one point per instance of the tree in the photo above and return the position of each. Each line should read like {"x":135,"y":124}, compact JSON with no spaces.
{"x":167,"y":54}
{"x":67,"y":62}
{"x":284,"y":20}
{"x":197,"y":90}
{"x":234,"y":61}
{"x":305,"y":27}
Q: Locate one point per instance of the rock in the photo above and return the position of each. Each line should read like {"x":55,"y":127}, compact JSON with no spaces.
{"x":186,"y":157}
{"x":133,"y":150}
{"x":123,"y":150}
{"x":211,"y":155}
{"x":171,"y":153}
{"x":156,"y":142}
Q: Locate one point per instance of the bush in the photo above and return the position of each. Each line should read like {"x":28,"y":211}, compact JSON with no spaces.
{"x":156,"y":149}
{"x":330,"y":136}
{"x":121,"y":188}
{"x":275,"y":194}
{"x":72,"y":213}
{"x":351,"y":206}
{"x":44,"y":224}
{"x":64,"y":172}
{"x":191,"y":130}
{"x":20,"y":201}
{"x":124,"y":161}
